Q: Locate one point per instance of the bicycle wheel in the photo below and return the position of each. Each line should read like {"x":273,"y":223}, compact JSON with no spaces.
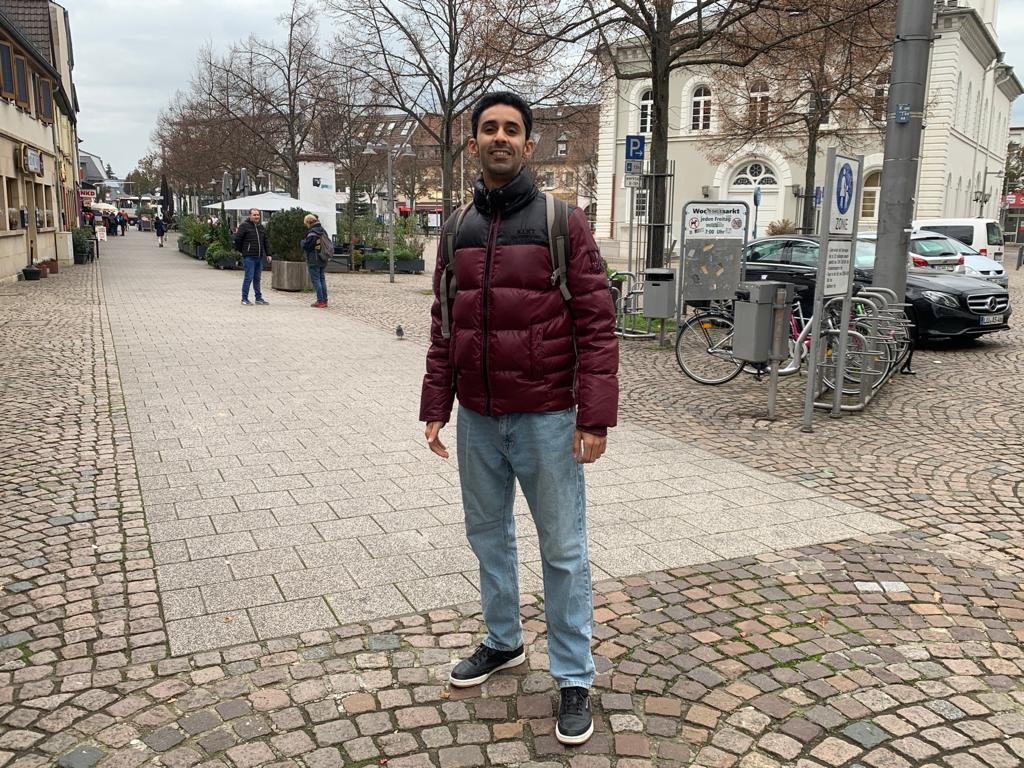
{"x":704,"y":349}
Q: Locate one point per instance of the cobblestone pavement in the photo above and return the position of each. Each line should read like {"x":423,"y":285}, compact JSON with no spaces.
{"x":896,"y":648}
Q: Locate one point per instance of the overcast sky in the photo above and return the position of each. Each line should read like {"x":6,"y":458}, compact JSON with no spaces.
{"x":128,"y":64}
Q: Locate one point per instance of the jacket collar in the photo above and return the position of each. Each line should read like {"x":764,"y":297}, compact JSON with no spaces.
{"x":511,"y":197}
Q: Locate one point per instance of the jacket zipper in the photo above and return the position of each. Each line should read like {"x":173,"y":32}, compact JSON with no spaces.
{"x":492,"y":236}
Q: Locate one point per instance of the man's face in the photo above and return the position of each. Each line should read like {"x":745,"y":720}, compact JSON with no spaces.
{"x":254,"y":216}
{"x":501,"y":143}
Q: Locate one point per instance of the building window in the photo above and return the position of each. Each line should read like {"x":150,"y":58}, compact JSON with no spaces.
{"x":569,"y":178}
{"x":640,"y":204}
{"x":562,"y":148}
{"x":823,"y":106}
{"x":13,"y":203}
{"x":21,"y":82}
{"x":757,"y":107}
{"x":44,"y":98}
{"x":879,"y":98}
{"x":6,"y":70}
{"x":869,"y":195}
{"x":646,"y":106}
{"x":755,"y":174}
{"x":700,"y":119}
{"x":549,"y":179}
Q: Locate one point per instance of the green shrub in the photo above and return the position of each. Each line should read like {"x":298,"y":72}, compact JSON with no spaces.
{"x":81,"y":241}
{"x":285,"y":231}
{"x":218,"y":251}
{"x":193,"y":231}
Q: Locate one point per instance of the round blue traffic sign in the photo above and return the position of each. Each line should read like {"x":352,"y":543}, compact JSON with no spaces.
{"x":844,"y":188}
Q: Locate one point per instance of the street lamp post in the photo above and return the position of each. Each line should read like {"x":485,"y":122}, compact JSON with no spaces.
{"x":400,"y":150}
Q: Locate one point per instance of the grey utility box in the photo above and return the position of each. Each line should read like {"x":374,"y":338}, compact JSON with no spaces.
{"x":659,"y":293}
{"x":752,"y":335}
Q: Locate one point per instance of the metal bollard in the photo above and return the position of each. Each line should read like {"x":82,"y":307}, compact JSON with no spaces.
{"x":1020,"y":256}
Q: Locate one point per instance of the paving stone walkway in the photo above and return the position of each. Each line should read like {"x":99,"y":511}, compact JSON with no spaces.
{"x":884,"y":628}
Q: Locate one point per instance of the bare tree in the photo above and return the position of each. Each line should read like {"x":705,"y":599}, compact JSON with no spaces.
{"x":649,"y":39}
{"x":435,"y":58}
{"x":830,"y":82}
{"x":275,"y":92}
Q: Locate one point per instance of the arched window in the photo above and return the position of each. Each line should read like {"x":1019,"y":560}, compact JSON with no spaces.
{"x":646,"y":107}
{"x":700,"y":119}
{"x":870,"y":194}
{"x":959,"y":191}
{"x":757,"y":173}
{"x":946,"y":194}
{"x":757,"y":107}
{"x":880,"y":98}
{"x":984,"y":121}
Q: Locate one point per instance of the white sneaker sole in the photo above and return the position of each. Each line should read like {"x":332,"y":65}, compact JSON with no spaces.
{"x":469,"y":682}
{"x":574,"y":740}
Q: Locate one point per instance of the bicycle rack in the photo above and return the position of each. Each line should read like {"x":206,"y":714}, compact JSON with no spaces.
{"x":629,"y":305}
{"x":881,"y":345}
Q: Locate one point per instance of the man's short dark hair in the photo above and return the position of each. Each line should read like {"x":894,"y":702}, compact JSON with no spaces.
{"x":503,"y":97}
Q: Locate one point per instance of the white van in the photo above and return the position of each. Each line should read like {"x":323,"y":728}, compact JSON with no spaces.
{"x":983,"y":235}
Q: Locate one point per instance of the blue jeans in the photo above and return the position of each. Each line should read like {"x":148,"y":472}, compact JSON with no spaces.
{"x":316,"y":277}
{"x":536,"y":450}
{"x":253,"y":271}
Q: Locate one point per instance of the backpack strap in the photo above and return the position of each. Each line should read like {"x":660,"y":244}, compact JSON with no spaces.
{"x":448,"y":287}
{"x":558,"y":242}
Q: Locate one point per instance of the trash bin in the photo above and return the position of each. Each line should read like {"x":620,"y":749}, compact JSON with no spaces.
{"x":659,"y":293}
{"x":752,"y":311}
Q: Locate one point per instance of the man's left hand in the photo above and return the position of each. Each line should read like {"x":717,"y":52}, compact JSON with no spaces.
{"x":588,"y":448}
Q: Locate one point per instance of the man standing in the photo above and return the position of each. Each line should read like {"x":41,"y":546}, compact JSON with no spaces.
{"x":533,"y":357}
{"x":160,"y":228}
{"x":251,"y":241}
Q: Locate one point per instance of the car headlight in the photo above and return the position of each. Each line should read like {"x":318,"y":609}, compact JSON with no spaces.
{"x":965,"y":269}
{"x":938,"y":297}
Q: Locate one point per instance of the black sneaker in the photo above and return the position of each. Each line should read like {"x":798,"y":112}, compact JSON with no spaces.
{"x":246,"y":302}
{"x":483,"y":663}
{"x":575,"y":723}
{"x":262,"y":301}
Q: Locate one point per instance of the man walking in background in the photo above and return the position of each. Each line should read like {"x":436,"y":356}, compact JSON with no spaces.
{"x":251,"y":241}
{"x":528,"y":344}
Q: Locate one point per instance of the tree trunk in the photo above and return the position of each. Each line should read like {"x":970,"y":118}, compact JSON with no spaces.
{"x":807,"y":223}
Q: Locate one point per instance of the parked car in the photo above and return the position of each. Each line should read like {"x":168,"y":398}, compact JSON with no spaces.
{"x":983,"y":235}
{"x":976,"y":265}
{"x":929,"y":249}
{"x":942,"y":304}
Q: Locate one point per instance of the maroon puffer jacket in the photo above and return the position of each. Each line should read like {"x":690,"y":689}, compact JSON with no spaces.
{"x":512,"y":333}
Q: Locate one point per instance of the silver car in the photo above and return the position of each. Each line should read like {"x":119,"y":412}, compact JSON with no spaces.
{"x":977,"y":265}
{"x":930,"y":249}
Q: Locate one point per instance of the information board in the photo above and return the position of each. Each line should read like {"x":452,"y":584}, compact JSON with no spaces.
{"x":843,"y":196}
{"x":714,"y":235}
{"x":838,"y":267}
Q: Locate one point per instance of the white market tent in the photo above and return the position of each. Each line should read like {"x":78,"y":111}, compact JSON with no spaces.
{"x":267,"y":201}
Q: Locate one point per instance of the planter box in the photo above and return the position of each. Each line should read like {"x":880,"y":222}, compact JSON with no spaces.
{"x":410,"y":266}
{"x":226,"y":262}
{"x":375,"y":264}
{"x":339,"y":263}
{"x":289,"y":276}
{"x":201,"y":251}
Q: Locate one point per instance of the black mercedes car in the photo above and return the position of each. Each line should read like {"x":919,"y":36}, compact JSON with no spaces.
{"x":942,"y":305}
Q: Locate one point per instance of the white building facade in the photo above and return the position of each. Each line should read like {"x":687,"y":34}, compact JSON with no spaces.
{"x":967,"y":109}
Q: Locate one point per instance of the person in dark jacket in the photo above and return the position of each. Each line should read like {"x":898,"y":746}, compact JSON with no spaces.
{"x":160,"y":228}
{"x":536,"y":376}
{"x":311,"y":246}
{"x":251,"y":241}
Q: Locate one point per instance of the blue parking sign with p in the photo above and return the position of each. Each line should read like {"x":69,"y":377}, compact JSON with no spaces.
{"x":635,"y":147}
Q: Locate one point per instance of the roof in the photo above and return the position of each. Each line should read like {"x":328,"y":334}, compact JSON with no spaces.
{"x":33,"y":19}
{"x":93,"y":166}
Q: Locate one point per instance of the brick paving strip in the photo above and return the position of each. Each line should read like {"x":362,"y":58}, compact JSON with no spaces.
{"x":898,"y":648}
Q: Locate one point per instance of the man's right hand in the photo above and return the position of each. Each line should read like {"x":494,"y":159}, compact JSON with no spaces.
{"x":433,"y":442}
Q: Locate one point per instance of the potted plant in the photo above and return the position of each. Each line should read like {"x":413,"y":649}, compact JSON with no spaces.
{"x":81,"y":245}
{"x":285,"y":231}
{"x":221,"y":253}
{"x":32,"y":272}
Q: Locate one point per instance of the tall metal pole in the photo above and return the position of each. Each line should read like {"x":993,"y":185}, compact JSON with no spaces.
{"x":391,"y":215}
{"x":904,"y":124}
